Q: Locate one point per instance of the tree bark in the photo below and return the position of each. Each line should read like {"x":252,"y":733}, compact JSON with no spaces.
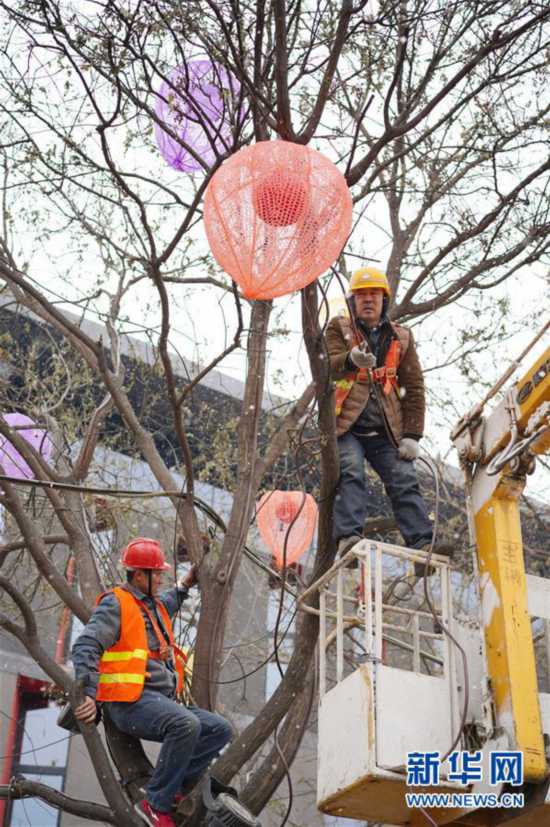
{"x":251,"y":739}
{"x":275,"y":766}
{"x":222,"y":572}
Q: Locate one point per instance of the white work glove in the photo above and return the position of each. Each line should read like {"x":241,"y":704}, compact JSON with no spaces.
{"x":361,"y":358}
{"x":408,"y":448}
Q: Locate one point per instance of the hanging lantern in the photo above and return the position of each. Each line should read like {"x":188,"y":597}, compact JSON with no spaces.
{"x":197,"y":103}
{"x":11,"y":460}
{"x":276,"y":216}
{"x":286,"y":516}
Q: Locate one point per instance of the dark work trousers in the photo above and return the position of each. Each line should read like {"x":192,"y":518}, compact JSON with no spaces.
{"x":190,"y":737}
{"x":400,"y":480}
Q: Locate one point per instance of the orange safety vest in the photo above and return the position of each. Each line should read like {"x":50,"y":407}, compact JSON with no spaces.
{"x":385,"y":375}
{"x":122,"y":667}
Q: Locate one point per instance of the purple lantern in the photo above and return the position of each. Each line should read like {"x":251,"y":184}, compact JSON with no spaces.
{"x":197,"y":102}
{"x":11,"y":460}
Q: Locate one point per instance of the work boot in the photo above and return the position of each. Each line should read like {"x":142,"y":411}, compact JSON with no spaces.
{"x":445,"y":549}
{"x":344,"y":545}
{"x":184,"y":804}
{"x":154,"y":818}
{"x":217,"y":787}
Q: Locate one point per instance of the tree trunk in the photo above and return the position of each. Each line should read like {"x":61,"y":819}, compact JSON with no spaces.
{"x":222,"y":573}
{"x":252,"y":738}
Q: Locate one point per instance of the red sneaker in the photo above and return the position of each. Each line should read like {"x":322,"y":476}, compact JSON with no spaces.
{"x":152,"y":817}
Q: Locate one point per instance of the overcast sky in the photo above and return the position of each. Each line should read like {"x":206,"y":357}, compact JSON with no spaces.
{"x":203,"y":320}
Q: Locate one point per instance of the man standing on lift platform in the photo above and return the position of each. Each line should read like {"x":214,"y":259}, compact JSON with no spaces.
{"x":380,"y":408}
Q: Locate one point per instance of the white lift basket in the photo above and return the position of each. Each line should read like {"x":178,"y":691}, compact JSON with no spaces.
{"x":372,"y":714}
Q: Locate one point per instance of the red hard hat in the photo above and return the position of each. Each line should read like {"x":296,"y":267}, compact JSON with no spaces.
{"x":143,"y":553}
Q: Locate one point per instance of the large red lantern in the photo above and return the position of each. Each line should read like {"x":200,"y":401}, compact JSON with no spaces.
{"x":276,"y":216}
{"x":286,"y":516}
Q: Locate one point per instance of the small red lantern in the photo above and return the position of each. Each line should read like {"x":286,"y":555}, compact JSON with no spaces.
{"x":286,"y":517}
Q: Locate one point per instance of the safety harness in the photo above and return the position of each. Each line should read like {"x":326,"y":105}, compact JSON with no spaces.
{"x":386,"y":375}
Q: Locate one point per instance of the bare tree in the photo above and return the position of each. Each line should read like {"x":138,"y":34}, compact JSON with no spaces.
{"x":434,"y":111}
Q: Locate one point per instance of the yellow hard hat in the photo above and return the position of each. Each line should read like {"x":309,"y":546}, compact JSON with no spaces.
{"x":369,"y":277}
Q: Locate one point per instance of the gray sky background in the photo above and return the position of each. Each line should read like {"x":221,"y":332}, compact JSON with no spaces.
{"x":203,"y":319}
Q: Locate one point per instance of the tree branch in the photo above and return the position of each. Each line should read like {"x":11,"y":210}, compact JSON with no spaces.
{"x":284,"y":120}
{"x":498,"y":41}
{"x":346,"y":12}
{"x":35,"y":544}
{"x":21,"y":787}
{"x":20,"y":545}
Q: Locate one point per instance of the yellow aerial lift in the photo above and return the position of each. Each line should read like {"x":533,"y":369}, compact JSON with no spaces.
{"x":373,"y":715}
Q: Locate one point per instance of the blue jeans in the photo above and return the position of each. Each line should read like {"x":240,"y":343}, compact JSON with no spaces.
{"x":400,"y":480}
{"x":190,"y":737}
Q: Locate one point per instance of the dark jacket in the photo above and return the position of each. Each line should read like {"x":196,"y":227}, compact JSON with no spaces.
{"x":405,"y":409}
{"x":103,"y":630}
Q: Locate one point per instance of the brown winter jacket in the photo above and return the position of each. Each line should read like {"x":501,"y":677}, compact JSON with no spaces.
{"x":404,"y":410}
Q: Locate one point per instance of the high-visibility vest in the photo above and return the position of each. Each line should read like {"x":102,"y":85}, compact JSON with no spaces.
{"x":385,"y":375}
{"x":122,"y":667}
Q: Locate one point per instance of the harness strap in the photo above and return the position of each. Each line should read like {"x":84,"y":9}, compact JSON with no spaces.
{"x":383,"y":373}
{"x":165,"y":648}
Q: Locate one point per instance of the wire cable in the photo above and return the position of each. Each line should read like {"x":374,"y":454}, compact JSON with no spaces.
{"x":429,"y":463}
{"x":426,"y":814}
{"x":87,"y":489}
